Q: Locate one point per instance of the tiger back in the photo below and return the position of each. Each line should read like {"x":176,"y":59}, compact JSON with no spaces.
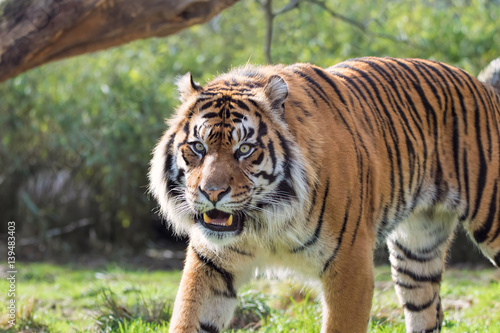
{"x":302,"y":170}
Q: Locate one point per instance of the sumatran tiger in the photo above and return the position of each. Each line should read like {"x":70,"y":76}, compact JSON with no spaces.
{"x":303,"y":170}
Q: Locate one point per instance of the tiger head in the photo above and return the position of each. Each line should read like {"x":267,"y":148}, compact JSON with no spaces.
{"x":228,"y":166}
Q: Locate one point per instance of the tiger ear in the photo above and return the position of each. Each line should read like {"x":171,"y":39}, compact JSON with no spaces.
{"x":187,"y":87}
{"x":276,"y":91}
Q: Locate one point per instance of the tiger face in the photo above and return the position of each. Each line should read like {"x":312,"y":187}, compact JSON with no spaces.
{"x":224,"y":172}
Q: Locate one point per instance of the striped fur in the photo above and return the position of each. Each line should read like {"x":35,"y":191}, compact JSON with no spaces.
{"x":317,"y":165}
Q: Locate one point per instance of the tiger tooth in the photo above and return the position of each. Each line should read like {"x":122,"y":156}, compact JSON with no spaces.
{"x":230,"y":220}
{"x":206,"y":218}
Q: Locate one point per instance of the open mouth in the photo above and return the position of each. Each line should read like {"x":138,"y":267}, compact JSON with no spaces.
{"x":217,"y":220}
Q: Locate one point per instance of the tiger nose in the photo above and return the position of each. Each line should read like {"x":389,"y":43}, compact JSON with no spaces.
{"x":214,"y":193}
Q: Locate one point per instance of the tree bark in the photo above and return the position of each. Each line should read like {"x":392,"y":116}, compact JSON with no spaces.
{"x":34,"y":32}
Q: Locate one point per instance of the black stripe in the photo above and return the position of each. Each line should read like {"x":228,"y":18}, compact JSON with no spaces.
{"x":259,"y":159}
{"x":420,"y":307}
{"x":317,"y":231}
{"x":389,"y":79}
{"x":242,"y":105}
{"x":497,"y":231}
{"x":465,"y":161}
{"x":250,"y":133}
{"x":272,"y":154}
{"x":339,"y":240}
{"x":313,"y":200}
{"x":314,"y":86}
{"x":479,"y":96}
{"x":397,"y":256}
{"x":406,"y":285}
{"x":436,"y":278}
{"x":311,"y":97}
{"x":270,"y":178}
{"x":417,"y":85}
{"x":210,"y":115}
{"x":206,"y":105}
{"x":431,"y":330}
{"x":419,"y":66}
{"x":178,"y":179}
{"x":172,"y":185}
{"x":237,"y":115}
{"x":184,"y":158}
{"x":410,"y":255}
{"x":169,"y":158}
{"x":285,"y":145}
{"x":433,"y":247}
{"x":458,"y":93}
{"x":209,"y":328}
{"x":226,"y":276}
{"x":285,"y":191}
{"x":483,"y":167}
{"x":221,"y":293}
{"x":321,"y":73}
{"x":435,"y":329}
{"x":356,"y":93}
{"x":262,"y":129}
{"x":481,"y":234}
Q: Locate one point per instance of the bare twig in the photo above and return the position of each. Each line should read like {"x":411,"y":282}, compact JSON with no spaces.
{"x":270,"y":15}
{"x":267,"y":6}
{"x":361,"y":26}
{"x":288,"y":7}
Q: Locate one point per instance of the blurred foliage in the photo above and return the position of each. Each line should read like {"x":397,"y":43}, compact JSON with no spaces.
{"x":98,"y":116}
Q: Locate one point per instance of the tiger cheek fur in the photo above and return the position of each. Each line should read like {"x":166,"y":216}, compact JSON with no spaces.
{"x":302,"y":169}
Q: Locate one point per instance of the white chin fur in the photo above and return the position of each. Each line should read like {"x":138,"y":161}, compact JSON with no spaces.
{"x":211,"y":238}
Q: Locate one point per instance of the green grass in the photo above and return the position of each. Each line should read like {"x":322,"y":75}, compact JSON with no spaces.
{"x":52,"y":298}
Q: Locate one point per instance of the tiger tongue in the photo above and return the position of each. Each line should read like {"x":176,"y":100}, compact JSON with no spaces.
{"x":222,"y":221}
{"x":219,"y":220}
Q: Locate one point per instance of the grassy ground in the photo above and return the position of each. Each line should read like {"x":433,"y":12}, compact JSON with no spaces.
{"x":53,"y":298}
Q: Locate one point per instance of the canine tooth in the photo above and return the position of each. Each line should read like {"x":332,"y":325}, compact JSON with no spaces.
{"x":206,"y":218}
{"x":230,"y":220}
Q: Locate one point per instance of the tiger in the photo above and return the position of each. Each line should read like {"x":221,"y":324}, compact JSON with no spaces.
{"x":301,"y":171}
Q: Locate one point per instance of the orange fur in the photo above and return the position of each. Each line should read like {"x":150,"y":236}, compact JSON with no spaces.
{"x":339,"y":158}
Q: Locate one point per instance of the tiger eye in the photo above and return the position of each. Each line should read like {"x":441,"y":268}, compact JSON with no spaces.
{"x":199,"y":147}
{"x":244,"y":149}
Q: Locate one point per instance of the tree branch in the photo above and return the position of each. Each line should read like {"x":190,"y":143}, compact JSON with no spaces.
{"x":34,"y":32}
{"x":341,"y":17}
{"x":267,"y":6}
{"x":288,"y":7}
{"x":363,"y":27}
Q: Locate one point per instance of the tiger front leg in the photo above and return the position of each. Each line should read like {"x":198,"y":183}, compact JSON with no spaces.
{"x":348,"y":289}
{"x":206,"y":298}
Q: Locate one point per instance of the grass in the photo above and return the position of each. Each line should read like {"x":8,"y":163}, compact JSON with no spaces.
{"x":52,"y":298}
